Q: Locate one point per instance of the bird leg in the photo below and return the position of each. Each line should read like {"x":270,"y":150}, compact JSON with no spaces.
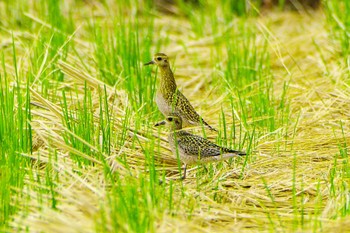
{"x":185,"y":170}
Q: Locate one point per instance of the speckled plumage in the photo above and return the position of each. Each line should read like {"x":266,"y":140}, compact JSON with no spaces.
{"x":192,"y":149}
{"x":169,"y":99}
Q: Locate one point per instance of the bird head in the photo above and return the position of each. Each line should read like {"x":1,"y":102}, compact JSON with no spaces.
{"x":174,"y":121}
{"x":160,"y":59}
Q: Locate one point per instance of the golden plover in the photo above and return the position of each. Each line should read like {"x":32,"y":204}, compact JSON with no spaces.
{"x":169,"y":99}
{"x":192,"y":149}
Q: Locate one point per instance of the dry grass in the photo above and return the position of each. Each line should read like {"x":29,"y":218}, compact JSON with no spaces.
{"x":288,"y":179}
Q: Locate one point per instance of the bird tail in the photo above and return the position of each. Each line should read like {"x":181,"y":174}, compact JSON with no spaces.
{"x":240,"y":152}
{"x":230,"y":154}
{"x":210,"y":127}
{"x":224,"y":156}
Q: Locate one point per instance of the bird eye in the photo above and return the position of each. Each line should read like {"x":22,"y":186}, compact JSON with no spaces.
{"x":159,"y":58}
{"x":170,"y":119}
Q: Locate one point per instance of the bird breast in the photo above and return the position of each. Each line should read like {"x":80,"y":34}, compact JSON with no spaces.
{"x":163,"y":104}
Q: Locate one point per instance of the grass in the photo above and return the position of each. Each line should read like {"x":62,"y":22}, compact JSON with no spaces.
{"x":338,"y":21}
{"x":78,"y":148}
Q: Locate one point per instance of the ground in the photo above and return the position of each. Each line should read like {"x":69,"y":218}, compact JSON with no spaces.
{"x":80,"y":152}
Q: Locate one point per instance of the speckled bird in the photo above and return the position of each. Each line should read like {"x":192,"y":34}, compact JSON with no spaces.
{"x":192,"y":149}
{"x":169,"y":99}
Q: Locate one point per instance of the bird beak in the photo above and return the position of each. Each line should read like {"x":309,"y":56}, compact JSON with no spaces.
{"x":149,"y":63}
{"x":160,"y":123}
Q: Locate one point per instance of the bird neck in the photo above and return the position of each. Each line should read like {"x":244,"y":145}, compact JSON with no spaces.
{"x":174,"y":128}
{"x":167,"y":80}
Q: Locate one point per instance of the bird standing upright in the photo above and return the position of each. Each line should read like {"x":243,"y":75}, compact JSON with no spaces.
{"x":169,"y":99}
{"x":191,"y":149}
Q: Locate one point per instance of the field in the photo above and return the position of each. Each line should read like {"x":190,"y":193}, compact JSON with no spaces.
{"x":79,"y":150}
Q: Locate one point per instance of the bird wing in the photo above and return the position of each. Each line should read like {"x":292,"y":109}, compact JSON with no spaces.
{"x":182,"y":103}
{"x":197,"y":146}
{"x":191,"y":115}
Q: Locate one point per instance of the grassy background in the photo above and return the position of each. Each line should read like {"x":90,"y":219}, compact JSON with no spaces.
{"x":79,"y":152}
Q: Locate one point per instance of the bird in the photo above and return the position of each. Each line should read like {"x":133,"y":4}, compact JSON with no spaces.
{"x":169,"y":99}
{"x":192,"y":149}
